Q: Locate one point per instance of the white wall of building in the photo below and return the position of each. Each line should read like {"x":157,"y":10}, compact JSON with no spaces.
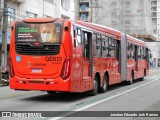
{"x":67,"y":9}
{"x":42,"y":8}
{"x":158,"y":17}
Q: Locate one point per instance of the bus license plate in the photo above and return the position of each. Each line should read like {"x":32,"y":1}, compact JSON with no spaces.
{"x":36,"y":70}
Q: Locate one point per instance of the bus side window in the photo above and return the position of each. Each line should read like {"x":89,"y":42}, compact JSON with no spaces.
{"x":139,"y":52}
{"x":111,"y":47}
{"x":94,"y":44}
{"x":144,"y":54}
{"x":109,"y":44}
{"x":98,"y":45}
{"x":130,"y":51}
{"x":118,"y":50}
{"x":78,"y":37}
{"x":104,"y":46}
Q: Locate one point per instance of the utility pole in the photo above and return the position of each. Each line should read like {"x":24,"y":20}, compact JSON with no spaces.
{"x":4,"y":39}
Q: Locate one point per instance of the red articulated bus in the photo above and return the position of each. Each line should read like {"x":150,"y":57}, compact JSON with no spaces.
{"x":57,"y":55}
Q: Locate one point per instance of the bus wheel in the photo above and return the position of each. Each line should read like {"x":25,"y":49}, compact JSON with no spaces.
{"x":51,"y":92}
{"x":95,"y":87}
{"x":3,"y":83}
{"x":131,"y":79}
{"x":103,"y":89}
{"x":143,"y":76}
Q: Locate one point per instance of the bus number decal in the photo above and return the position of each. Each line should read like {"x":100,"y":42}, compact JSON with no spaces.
{"x":54,"y":59}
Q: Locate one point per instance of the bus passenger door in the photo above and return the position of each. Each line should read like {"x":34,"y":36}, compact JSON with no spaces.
{"x":87,"y":54}
{"x":118,"y":60}
{"x":136,"y":58}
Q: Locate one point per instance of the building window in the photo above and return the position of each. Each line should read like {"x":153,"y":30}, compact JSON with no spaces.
{"x":113,"y":3}
{"x":11,"y":16}
{"x":96,"y":3}
{"x":127,"y":22}
{"x":64,"y":17}
{"x":127,"y":12}
{"x":84,"y":17}
{"x":114,"y":13}
{"x":127,"y":3}
{"x":113,"y":22}
{"x":127,"y":31}
{"x":154,"y":2}
{"x":83,"y":7}
{"x":50,"y":1}
{"x":65,"y":4}
{"x":31,"y":15}
{"x":154,"y":14}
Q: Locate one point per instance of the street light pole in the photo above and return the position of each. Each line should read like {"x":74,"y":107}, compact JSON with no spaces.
{"x":4,"y":38}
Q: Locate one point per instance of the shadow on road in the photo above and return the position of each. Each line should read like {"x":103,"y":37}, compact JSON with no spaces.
{"x":70,"y":97}
{"x":58,"y":97}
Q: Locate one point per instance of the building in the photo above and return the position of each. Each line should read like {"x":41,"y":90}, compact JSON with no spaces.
{"x":20,"y":9}
{"x":139,"y":18}
{"x":155,"y":46}
{"x":84,"y":10}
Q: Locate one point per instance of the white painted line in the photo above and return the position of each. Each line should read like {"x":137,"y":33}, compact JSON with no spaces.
{"x":152,"y":77}
{"x":109,"y":98}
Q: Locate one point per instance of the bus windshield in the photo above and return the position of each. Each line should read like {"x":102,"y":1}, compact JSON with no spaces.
{"x":41,"y":32}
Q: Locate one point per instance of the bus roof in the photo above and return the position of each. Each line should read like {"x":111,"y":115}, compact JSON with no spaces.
{"x":112,"y":32}
{"x":41,"y":20}
{"x":100,"y":28}
{"x":136,"y":41}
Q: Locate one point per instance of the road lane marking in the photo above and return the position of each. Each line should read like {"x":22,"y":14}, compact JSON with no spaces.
{"x":104,"y":100}
{"x":17,"y":95}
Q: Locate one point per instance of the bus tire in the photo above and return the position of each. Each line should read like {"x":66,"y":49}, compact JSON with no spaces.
{"x":95,"y":87}
{"x":103,"y":89}
{"x":142,"y":79}
{"x":131,"y":79}
{"x":51,"y":92}
{"x":3,"y":83}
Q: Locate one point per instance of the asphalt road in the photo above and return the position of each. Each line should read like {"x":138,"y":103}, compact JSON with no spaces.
{"x":140,"y":96}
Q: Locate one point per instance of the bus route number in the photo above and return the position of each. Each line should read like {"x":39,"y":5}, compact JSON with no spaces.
{"x":54,"y":59}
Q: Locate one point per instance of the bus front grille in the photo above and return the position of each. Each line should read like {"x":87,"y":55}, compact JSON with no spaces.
{"x":29,"y":49}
